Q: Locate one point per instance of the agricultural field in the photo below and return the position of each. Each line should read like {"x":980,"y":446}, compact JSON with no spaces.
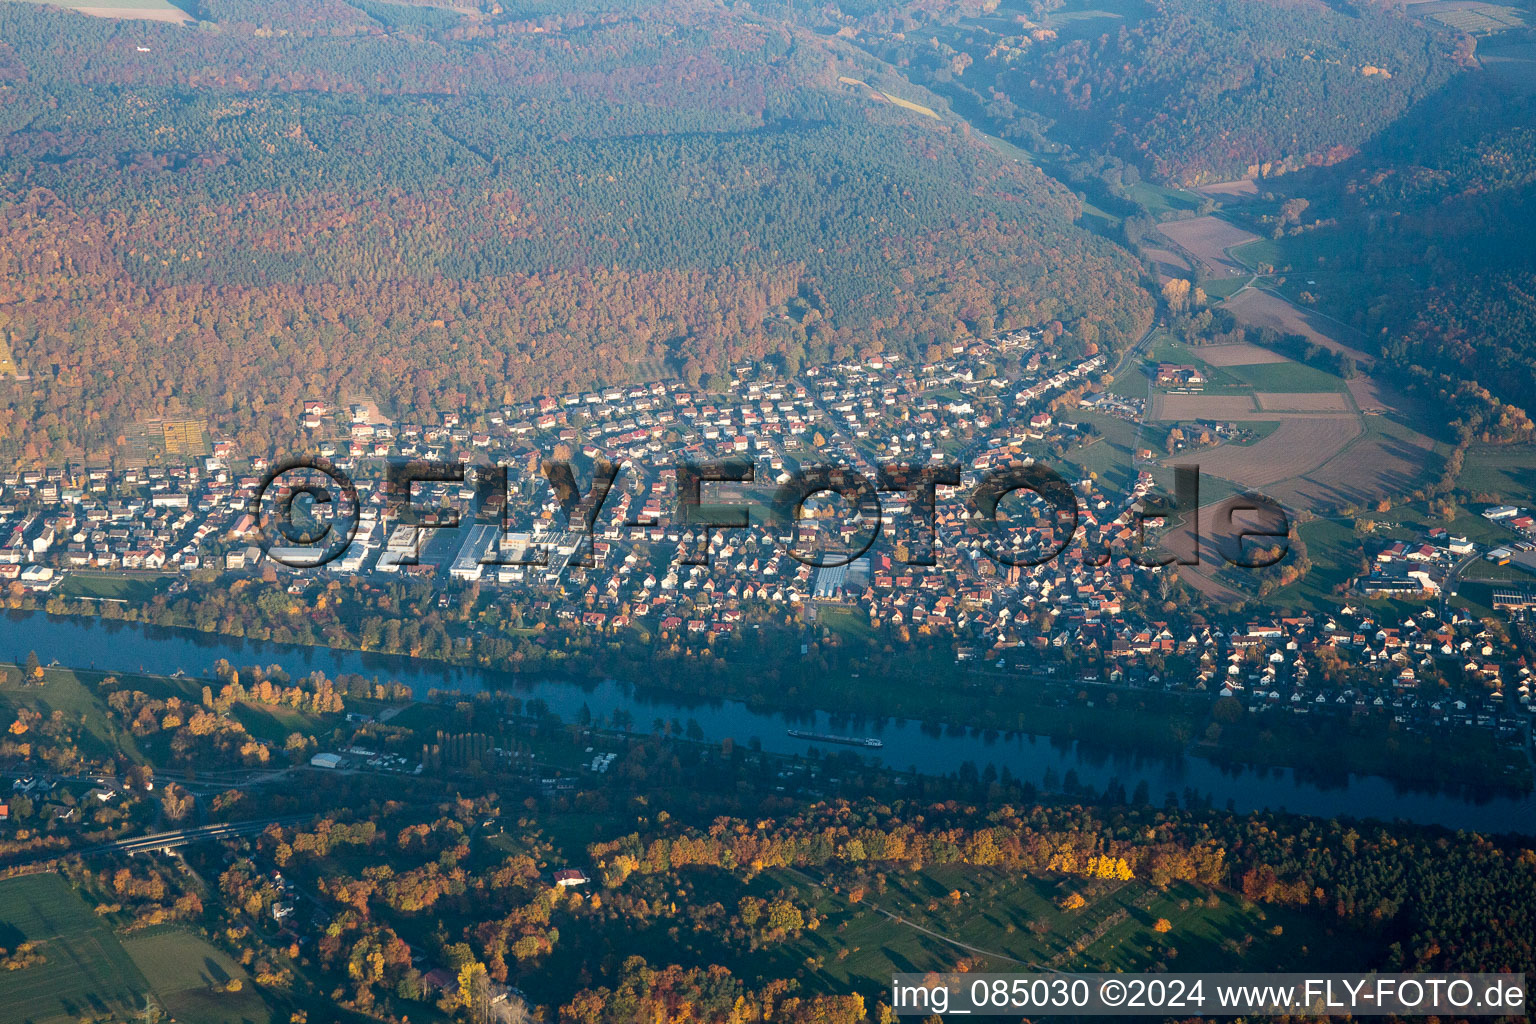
{"x":1504,"y":473}
{"x":1207,"y":239}
{"x":1299,"y":445}
{"x":86,"y":973}
{"x":1256,"y":307}
{"x":193,"y":981}
{"x":1303,"y":415}
{"x":1285,"y":375}
{"x":1166,"y":263}
{"x":1303,"y":402}
{"x":1218,"y":289}
{"x":139,"y":10}
{"x":1240,"y":354}
{"x":1161,"y":201}
{"x":1388,"y":459}
{"x":1324,"y":445}
{"x":1242,"y":188}
{"x":1473,"y":17}
{"x":1176,"y":407}
{"x":1372,"y":397}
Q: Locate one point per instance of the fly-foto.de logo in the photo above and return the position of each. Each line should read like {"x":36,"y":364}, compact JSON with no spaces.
{"x":306,"y":510}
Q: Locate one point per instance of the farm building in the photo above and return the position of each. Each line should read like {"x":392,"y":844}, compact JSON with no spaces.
{"x":1177,"y":374}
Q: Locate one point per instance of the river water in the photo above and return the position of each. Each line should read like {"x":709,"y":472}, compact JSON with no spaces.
{"x":98,"y":643}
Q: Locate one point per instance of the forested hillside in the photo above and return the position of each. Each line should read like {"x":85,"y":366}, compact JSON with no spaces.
{"x":1187,"y":90}
{"x":1395,"y":155}
{"x":444,"y":210}
{"x":1424,"y":242}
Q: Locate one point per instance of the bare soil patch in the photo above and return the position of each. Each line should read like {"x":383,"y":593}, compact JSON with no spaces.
{"x":1242,"y":188}
{"x":1372,"y":396}
{"x":1204,"y":407}
{"x":371,"y":412}
{"x":1292,"y":401}
{"x":173,"y":15}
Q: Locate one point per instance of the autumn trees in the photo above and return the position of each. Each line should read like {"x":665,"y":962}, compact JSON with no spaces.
{"x":241,"y":219}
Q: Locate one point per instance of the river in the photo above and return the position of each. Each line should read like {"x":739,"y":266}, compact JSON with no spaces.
{"x":127,"y":647}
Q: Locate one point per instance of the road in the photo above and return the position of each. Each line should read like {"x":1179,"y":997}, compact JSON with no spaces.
{"x":1135,"y":350}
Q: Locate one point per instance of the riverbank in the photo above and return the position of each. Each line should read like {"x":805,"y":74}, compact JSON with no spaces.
{"x":908,"y":745}
{"x":852,"y":674}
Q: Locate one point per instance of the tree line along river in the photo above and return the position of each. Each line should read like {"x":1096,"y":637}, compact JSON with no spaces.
{"x":906,"y":745}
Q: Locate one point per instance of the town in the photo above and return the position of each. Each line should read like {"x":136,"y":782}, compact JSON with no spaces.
{"x":1082,"y":605}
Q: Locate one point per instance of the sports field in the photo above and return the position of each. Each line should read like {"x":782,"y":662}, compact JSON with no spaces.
{"x":928,"y":920}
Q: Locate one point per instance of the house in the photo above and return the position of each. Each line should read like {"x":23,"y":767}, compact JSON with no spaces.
{"x":1177,"y":375}
{"x":569,"y":878}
